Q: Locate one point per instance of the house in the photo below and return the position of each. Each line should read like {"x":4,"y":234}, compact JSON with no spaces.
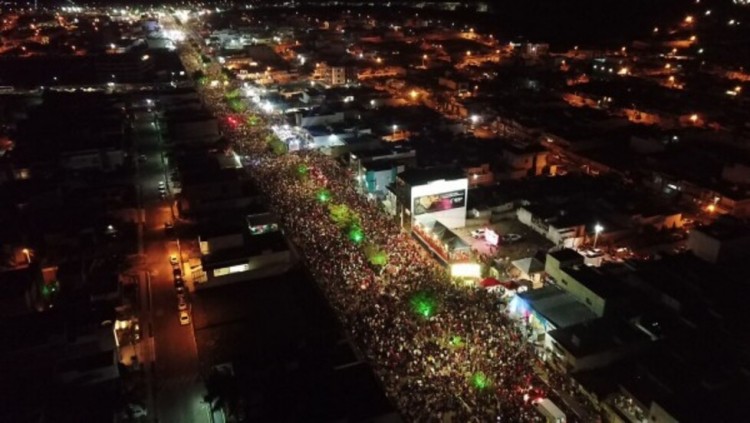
{"x":589,"y":286}
{"x":523,"y":160}
{"x":547,"y":309}
{"x":723,"y":241}
{"x":595,"y":343}
{"x":559,"y":226}
{"x":238,"y":249}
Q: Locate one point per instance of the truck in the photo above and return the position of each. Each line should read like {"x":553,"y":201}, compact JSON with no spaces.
{"x":550,"y":411}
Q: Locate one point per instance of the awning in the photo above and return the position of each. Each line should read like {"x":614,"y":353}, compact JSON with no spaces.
{"x":488,"y":282}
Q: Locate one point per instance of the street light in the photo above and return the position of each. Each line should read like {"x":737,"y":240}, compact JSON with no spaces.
{"x":597,"y":230}
{"x":26,"y":252}
{"x":394,"y":132}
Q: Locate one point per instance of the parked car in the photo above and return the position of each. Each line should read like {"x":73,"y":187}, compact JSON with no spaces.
{"x":135,"y":411}
{"x":177,"y":272}
{"x":173,"y":259}
{"x":510,"y":238}
{"x":182,"y":304}
{"x":184,"y":318}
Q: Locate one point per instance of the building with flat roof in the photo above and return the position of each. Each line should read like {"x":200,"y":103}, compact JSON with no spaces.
{"x":590,"y":286}
{"x":240,"y":248}
{"x":549,"y":308}
{"x":377,"y":169}
{"x":722,"y":241}
{"x":595,"y":343}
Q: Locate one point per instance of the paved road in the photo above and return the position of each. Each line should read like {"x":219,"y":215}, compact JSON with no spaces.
{"x":178,"y":388}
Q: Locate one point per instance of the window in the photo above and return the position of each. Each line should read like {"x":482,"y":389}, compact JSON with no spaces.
{"x":239,"y":268}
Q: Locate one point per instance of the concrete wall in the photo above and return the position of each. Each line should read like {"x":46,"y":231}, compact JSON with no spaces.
{"x":704,"y":246}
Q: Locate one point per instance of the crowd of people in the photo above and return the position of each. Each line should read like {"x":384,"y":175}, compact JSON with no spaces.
{"x":454,"y":354}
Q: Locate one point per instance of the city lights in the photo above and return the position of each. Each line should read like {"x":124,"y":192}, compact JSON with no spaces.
{"x":424,"y":304}
{"x":597,"y":230}
{"x":480,"y":381}
{"x":324,"y":195}
{"x":356,"y":235}
{"x":439,"y":241}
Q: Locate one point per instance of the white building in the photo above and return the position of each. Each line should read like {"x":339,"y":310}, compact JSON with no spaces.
{"x":430,"y":194}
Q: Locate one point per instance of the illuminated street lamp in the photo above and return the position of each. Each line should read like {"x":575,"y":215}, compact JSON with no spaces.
{"x":394,"y":131}
{"x":413,"y":94}
{"x":27,"y":253}
{"x":597,"y":230}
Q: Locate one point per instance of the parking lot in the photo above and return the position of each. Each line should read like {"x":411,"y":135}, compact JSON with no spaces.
{"x":528,"y":245}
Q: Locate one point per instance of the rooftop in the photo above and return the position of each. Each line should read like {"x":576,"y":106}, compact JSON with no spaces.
{"x":593,"y":280}
{"x":560,"y":308}
{"x":598,"y":336}
{"x":416,"y":177}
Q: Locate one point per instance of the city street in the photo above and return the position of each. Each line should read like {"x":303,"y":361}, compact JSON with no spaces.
{"x":178,"y":390}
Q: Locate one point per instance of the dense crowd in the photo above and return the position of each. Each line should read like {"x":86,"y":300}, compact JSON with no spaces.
{"x":439,"y":349}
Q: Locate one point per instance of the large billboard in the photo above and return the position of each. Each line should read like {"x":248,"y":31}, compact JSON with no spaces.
{"x":439,"y":202}
{"x":443,"y":200}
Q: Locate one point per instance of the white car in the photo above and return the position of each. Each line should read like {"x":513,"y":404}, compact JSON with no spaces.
{"x":136,"y":411}
{"x":182,"y":304}
{"x":478,"y":233}
{"x":511,"y":238}
{"x":184,"y":318}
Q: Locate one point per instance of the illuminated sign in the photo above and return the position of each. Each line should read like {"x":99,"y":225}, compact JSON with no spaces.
{"x":466,"y":270}
{"x":439,"y":202}
{"x":491,"y":237}
{"x":239,"y":268}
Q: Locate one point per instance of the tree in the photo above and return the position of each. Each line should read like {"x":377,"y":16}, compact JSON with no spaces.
{"x":375,"y":255}
{"x":237,"y":105}
{"x":343,"y":216}
{"x":252,"y":120}
{"x":278,"y":147}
